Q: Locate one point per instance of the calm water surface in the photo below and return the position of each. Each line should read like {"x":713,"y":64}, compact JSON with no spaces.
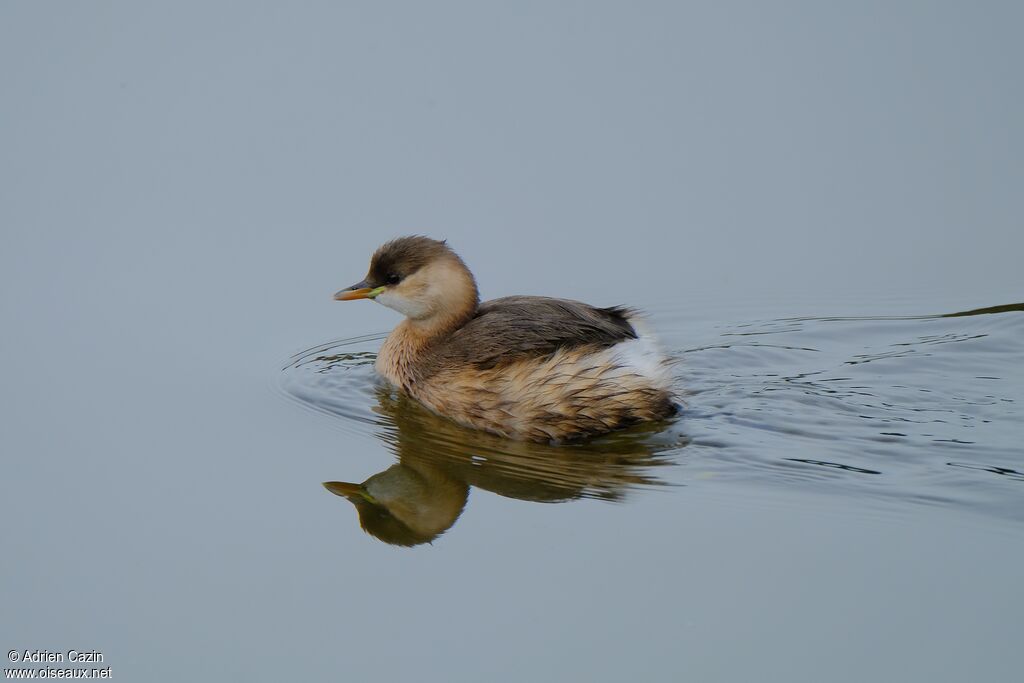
{"x":797,"y":193}
{"x":892,"y":412}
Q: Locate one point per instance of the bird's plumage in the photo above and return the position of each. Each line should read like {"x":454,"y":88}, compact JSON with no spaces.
{"x":518,"y":328}
{"x":525,"y":367}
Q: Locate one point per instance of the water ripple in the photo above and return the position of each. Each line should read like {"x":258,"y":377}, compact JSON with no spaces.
{"x":872,"y":407}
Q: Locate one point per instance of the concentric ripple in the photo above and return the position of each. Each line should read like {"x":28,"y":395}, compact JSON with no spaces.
{"x":905,"y":410}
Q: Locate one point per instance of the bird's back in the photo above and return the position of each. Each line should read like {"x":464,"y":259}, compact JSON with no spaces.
{"x":546,"y":369}
{"x":519,"y":328}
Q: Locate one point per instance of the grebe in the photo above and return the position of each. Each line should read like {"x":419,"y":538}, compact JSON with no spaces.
{"x":523,"y":367}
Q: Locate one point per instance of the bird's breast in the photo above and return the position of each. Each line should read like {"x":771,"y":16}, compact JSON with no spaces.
{"x":397,"y":360}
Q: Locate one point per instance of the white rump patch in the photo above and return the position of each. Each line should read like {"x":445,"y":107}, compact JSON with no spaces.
{"x":642,"y":355}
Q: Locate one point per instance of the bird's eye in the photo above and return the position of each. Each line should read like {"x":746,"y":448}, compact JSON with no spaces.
{"x":392,"y":279}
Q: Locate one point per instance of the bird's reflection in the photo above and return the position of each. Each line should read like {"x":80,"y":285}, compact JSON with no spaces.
{"x":421,"y":497}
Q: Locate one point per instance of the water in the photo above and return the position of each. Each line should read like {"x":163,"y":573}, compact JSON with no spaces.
{"x":889,"y":411}
{"x":796,"y":195}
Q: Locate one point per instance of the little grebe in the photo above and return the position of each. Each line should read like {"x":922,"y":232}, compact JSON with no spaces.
{"x":523,"y":367}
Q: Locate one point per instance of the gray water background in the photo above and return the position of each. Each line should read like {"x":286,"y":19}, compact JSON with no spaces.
{"x":183,"y":187}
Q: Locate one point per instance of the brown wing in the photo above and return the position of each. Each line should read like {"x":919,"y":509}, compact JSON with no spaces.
{"x":515,"y":328}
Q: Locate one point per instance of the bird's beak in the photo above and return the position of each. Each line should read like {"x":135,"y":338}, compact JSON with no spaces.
{"x":347,"y":490}
{"x":360,"y":290}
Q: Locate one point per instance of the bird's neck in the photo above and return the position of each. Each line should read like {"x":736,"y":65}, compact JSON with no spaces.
{"x":401,"y":359}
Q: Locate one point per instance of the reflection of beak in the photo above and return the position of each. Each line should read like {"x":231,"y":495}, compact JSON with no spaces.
{"x":347,"y":490}
{"x":358,"y":291}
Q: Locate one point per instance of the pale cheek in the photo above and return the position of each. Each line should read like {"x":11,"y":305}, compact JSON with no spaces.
{"x":407,"y":307}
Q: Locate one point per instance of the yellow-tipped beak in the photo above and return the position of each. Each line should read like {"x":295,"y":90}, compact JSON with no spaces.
{"x":358,"y":291}
{"x":343,"y":488}
{"x":347,"y":490}
{"x":353,"y":294}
